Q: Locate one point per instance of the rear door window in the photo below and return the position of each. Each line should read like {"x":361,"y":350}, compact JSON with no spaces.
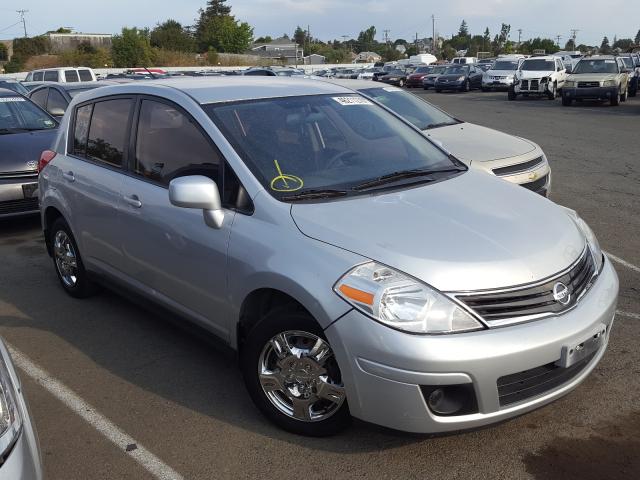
{"x":85,"y":75}
{"x":56,"y":100}
{"x":81,"y":130}
{"x":38,"y":76}
{"x":51,"y":76}
{"x":108,"y":134}
{"x":169,"y":145}
{"x":71,"y":76}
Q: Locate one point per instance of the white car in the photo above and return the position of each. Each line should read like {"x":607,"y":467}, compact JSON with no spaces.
{"x":513,"y":159}
{"x":62,"y":75}
{"x":539,"y":76}
{"x":367,"y":73}
{"x":500,"y":75}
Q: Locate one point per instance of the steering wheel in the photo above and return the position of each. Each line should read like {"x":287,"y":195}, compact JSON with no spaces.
{"x":340,"y":157}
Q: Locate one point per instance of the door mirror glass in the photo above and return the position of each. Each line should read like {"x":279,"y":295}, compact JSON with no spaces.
{"x":56,"y":111}
{"x":199,"y":192}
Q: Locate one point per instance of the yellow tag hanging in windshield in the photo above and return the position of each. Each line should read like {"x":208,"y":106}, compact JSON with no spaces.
{"x":285,"y":183}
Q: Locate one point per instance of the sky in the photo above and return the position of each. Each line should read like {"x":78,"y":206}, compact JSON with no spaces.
{"x":331,"y":19}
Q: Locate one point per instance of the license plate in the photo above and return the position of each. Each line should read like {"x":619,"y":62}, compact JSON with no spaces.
{"x":572,"y":354}
{"x":30,"y":190}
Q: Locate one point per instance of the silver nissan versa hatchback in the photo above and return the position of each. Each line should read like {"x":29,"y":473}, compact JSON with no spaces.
{"x":358,"y":269}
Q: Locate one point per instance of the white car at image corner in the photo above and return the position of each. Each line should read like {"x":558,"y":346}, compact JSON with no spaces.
{"x":19,"y":448}
{"x":514,"y":159}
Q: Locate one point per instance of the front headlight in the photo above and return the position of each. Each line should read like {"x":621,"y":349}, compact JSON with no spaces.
{"x":609,"y":83}
{"x":569,"y":84}
{"x":402,"y":302}
{"x":10,"y":417}
{"x":461,"y":79}
{"x":590,"y":237}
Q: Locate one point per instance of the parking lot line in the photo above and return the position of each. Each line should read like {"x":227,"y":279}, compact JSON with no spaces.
{"x":112,"y":432}
{"x":623,"y":262}
{"x":635,"y":316}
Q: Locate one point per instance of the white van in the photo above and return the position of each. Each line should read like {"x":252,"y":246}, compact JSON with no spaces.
{"x":464,"y":60}
{"x":63,"y":74}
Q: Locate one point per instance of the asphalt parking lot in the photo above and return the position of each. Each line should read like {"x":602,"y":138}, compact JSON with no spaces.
{"x":181,"y":402}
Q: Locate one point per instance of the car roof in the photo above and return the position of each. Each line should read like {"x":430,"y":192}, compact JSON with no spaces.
{"x":223,"y":89}
{"x":76,"y":85}
{"x":551,"y":58}
{"x":59,"y":68}
{"x":356,"y":84}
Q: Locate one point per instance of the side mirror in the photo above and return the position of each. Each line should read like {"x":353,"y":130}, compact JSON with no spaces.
{"x":199,"y":192}
{"x":56,"y":112}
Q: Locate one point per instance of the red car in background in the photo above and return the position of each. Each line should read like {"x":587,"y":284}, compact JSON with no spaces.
{"x":415,"y":79}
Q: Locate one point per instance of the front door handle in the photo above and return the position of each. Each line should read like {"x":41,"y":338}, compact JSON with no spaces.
{"x":134,"y":201}
{"x":69,"y":176}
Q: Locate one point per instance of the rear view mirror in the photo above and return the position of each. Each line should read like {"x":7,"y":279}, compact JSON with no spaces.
{"x":56,"y":112}
{"x":199,"y":192}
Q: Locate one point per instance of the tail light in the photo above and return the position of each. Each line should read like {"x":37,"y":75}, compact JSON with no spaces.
{"x":45,"y":158}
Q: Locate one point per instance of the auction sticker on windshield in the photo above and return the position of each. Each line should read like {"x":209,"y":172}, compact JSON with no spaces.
{"x":352,"y":101}
{"x":11,"y":99}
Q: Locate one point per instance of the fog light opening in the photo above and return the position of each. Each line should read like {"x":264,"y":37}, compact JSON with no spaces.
{"x":447,"y":400}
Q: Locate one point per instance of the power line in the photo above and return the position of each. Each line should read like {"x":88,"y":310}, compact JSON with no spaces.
{"x":11,"y":26}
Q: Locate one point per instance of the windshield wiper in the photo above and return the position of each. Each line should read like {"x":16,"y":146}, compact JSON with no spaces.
{"x":312,"y":194}
{"x":440,"y":124}
{"x":404,"y":174}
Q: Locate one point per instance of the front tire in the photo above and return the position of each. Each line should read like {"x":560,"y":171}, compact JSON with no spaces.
{"x":401,"y":83}
{"x":511,"y":94}
{"x":623,"y":97}
{"x":553,"y":93}
{"x":566,"y":101}
{"x":438,"y":90}
{"x":292,"y":375}
{"x":615,"y":100}
{"x":68,"y":262}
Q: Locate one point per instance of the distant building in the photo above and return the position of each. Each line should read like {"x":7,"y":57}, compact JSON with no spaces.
{"x":367,"y":57}
{"x":9,"y":45}
{"x":280,"y":49}
{"x":315,"y":59}
{"x":401,"y":49}
{"x":64,"y":42}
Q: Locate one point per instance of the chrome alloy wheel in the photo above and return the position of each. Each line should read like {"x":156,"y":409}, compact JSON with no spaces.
{"x":300,"y":376}
{"x":66,"y":259}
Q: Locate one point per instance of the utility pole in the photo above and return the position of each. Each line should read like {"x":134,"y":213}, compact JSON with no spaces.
{"x":558,"y":37}
{"x":574,"y":32}
{"x":519,"y":36}
{"x":433,"y":34}
{"x":416,"y":44}
{"x":344,"y":40}
{"x":24,"y":25}
{"x":386,"y":37}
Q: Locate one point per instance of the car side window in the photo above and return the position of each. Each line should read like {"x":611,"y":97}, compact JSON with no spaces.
{"x":51,"y":76}
{"x":40,"y":97}
{"x":108,"y":131}
{"x":56,"y":100}
{"x":81,"y":130}
{"x":85,"y":75}
{"x":38,"y":76}
{"x":169,"y":145}
{"x":71,"y":76}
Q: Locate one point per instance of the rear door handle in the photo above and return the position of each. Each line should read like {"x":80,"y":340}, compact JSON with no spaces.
{"x":134,"y":201}
{"x":69,"y":176}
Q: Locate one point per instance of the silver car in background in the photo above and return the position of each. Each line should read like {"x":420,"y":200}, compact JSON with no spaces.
{"x":19,"y":449}
{"x":511,"y":158}
{"x":358,"y":268}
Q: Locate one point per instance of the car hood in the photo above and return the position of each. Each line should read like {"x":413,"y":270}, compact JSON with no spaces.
{"x":468,"y":233}
{"x":16,"y":149}
{"x":592,"y":77}
{"x":473,"y":143}
{"x":525,"y":74}
{"x":417,"y":75}
{"x":500,"y":73}
{"x":451,"y":77}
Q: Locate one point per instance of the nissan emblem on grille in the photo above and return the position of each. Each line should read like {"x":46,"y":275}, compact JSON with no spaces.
{"x":32,"y":164}
{"x":561,"y":293}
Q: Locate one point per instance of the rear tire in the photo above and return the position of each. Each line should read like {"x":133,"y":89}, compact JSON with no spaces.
{"x":438,"y":90}
{"x":485,"y":89}
{"x":623,"y":98}
{"x":68,"y":262}
{"x":272,"y":374}
{"x":401,"y":83}
{"x":425,"y":87}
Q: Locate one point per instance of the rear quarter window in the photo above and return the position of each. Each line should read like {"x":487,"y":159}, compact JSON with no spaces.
{"x":38,"y":76}
{"x":51,"y":76}
{"x":85,"y":75}
{"x":71,"y":76}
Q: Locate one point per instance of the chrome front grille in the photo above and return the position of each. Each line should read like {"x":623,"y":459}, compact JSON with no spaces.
{"x":23,"y":174}
{"x":534,"y":84}
{"x":525,"y":85}
{"x":518,"y":167}
{"x":588,"y":84}
{"x":533,"y":301}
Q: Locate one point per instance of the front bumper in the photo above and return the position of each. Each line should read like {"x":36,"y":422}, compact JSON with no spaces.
{"x":18,"y":196}
{"x":395,"y":82}
{"x":455,"y":85}
{"x":383,"y":369}
{"x":594,"y":93}
{"x":414,"y":82}
{"x":532,"y":86}
{"x":536,"y":178}
{"x":501,"y":84}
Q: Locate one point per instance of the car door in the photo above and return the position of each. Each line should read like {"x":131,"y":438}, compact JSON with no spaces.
{"x":92,"y":177}
{"x":561,"y":72}
{"x":170,"y":253}
{"x":476,"y":77}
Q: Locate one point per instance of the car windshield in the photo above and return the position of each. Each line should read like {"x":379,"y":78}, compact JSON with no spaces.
{"x":15,"y":86}
{"x":19,"y":114}
{"x":504,"y":65}
{"x":422,"y":114}
{"x":537,"y":65}
{"x":322,"y":142}
{"x":396,"y":72}
{"x":456,"y":70}
{"x":438,"y":70}
{"x":596,"y":66}
{"x":422,"y":70}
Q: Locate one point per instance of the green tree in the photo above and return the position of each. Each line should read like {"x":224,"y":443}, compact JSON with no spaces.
{"x":637,"y":39}
{"x":132,"y":48}
{"x":464,"y":29}
{"x":86,"y":48}
{"x":570,"y":45}
{"x":266,"y":39}
{"x":4,"y":53}
{"x":604,"y":46}
{"x":300,"y":36}
{"x":623,"y":44}
{"x":171,"y":35}
{"x":225,"y":34}
{"x":366,"y":39}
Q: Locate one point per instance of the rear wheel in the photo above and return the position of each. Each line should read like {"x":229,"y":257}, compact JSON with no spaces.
{"x":438,"y":90}
{"x":623,"y":97}
{"x":425,"y":87}
{"x":486,"y":89}
{"x":68,"y":262}
{"x":292,"y":375}
{"x":633,"y":90}
{"x":401,"y":83}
